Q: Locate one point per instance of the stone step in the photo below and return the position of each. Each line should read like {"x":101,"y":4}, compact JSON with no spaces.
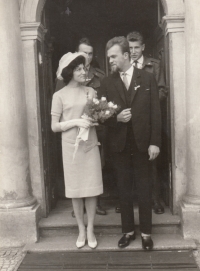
{"x":61,"y":223}
{"x":109,"y":243}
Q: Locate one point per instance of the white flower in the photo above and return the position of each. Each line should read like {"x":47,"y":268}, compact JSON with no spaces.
{"x":103,"y":99}
{"x":107,"y":112}
{"x":115,"y":106}
{"x":96,"y":101}
{"x":136,"y":87}
{"x":110,"y":104}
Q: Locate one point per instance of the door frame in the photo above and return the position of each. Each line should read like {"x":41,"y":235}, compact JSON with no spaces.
{"x":172,"y":24}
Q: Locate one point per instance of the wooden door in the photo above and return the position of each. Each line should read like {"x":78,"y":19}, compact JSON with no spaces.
{"x":164,"y":160}
{"x":49,"y":145}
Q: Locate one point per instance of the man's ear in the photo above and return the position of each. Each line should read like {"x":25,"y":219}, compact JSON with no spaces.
{"x":126,"y":55}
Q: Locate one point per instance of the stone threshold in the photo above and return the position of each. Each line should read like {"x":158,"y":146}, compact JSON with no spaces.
{"x":60,"y":221}
{"x":109,"y":243}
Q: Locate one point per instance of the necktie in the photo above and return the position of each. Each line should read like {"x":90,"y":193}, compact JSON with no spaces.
{"x":136,"y":63}
{"x":125,"y":80}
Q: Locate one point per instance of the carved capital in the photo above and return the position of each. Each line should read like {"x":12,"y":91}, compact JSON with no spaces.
{"x":173,"y":23}
{"x":32,"y":31}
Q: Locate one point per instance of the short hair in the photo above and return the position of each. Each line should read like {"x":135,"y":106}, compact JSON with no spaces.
{"x":121,"y":41}
{"x":67,"y":72}
{"x":85,"y":41}
{"x":135,"y":36}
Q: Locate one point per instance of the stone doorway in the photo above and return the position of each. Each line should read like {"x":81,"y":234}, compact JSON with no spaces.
{"x":33,"y":31}
{"x":68,"y":21}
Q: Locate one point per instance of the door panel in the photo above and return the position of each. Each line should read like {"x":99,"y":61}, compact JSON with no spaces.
{"x":164,"y":160}
{"x":44,"y":53}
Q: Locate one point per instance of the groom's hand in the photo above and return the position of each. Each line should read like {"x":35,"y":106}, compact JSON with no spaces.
{"x":125,"y":115}
{"x":153,"y":152}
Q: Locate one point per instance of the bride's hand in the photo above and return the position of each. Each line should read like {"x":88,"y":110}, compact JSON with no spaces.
{"x":82,"y":123}
{"x":94,"y":124}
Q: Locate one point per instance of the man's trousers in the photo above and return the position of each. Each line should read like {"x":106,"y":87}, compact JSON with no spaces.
{"x":129,"y":161}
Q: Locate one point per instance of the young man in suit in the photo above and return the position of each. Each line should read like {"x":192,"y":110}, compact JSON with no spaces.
{"x":133,"y":136}
{"x":152,"y":65}
{"x":94,"y":77}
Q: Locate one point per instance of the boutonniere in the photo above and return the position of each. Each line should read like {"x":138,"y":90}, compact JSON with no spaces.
{"x":136,"y":86}
{"x":149,"y":64}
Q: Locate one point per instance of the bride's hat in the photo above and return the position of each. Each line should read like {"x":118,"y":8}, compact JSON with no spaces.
{"x":66,"y":60}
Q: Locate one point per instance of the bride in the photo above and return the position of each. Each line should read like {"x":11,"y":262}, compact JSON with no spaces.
{"x":83,"y":176}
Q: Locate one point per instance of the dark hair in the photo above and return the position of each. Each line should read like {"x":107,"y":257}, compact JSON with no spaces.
{"x":67,"y":72}
{"x":85,"y":41}
{"x":135,"y":36}
{"x":121,"y":41}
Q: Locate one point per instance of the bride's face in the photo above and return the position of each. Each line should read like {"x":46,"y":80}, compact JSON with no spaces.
{"x":79,"y":74}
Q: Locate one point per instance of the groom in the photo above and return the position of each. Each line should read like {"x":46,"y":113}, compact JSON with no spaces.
{"x":133,"y":136}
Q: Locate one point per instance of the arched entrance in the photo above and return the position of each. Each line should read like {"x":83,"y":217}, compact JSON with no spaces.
{"x":33,"y":36}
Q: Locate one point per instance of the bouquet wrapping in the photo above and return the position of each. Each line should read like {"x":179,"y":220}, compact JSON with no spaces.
{"x":96,"y":110}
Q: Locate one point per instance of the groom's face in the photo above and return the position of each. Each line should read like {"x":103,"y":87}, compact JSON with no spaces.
{"x":116,"y":58}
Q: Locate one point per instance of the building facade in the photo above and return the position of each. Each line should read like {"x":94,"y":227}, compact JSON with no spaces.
{"x":24,"y":54}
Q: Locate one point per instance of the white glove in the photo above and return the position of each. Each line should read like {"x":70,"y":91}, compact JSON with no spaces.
{"x":81,"y":123}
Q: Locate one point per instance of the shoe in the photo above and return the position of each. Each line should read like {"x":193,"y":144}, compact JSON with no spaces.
{"x":92,"y":244}
{"x":100,"y":210}
{"x":117,"y":209}
{"x":125,"y":240}
{"x":157,"y":207}
{"x":80,"y":244}
{"x":147,"y":242}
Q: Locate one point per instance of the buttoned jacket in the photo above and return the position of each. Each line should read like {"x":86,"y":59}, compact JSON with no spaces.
{"x":145,"y":109}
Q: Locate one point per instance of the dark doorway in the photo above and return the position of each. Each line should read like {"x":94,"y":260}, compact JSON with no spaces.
{"x":99,"y":20}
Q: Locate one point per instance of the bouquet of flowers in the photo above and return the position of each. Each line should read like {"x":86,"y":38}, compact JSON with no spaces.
{"x":99,"y":110}
{"x":95,"y":111}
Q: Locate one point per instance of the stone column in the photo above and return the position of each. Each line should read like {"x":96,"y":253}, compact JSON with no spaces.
{"x":32,"y":35}
{"x":18,"y":208}
{"x":173,"y":26}
{"x":190,"y":206}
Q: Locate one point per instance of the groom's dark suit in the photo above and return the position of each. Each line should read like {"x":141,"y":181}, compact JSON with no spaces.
{"x":129,"y":142}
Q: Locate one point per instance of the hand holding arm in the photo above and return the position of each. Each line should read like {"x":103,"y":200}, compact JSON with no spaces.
{"x":153,"y":152}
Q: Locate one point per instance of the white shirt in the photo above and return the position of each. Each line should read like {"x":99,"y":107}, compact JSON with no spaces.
{"x":129,"y":74}
{"x":140,"y":62}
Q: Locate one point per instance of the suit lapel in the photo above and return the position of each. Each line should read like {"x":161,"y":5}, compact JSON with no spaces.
{"x":119,"y":86}
{"x":145,"y":62}
{"x":135,"y":83}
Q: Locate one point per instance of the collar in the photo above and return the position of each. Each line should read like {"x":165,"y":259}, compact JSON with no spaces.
{"x":141,"y":60}
{"x":128,"y":72}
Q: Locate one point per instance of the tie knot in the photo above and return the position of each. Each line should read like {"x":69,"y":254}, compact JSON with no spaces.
{"x":124,"y":74}
{"x":135,"y":63}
